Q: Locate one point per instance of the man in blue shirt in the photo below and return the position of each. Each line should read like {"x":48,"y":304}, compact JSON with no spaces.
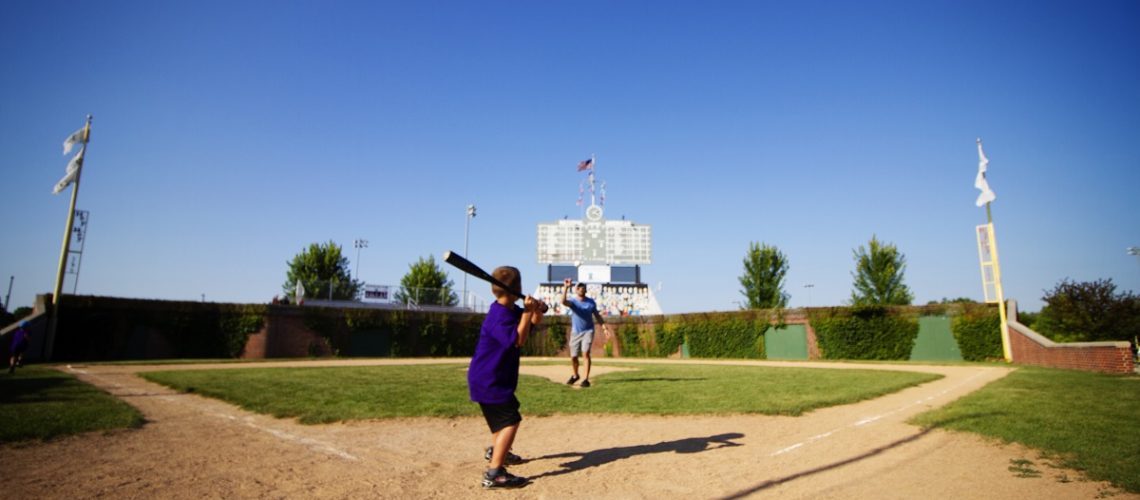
{"x":583,"y":312}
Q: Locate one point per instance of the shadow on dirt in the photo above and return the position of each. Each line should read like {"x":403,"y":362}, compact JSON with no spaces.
{"x":835,"y":465}
{"x":604,"y":456}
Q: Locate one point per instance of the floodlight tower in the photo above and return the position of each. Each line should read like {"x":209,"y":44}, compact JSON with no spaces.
{"x":358,"y":243}
{"x":466,"y":233}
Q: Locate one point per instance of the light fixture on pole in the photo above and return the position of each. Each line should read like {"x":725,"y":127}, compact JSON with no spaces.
{"x":466,"y":233}
{"x":809,"y":286}
{"x":358,"y":243}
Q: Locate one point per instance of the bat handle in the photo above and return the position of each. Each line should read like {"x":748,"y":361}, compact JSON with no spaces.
{"x":542,"y":307}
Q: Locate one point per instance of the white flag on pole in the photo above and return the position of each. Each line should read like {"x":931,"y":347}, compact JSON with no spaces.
{"x":73,"y":139}
{"x":986,"y":195}
{"x":73,"y":167}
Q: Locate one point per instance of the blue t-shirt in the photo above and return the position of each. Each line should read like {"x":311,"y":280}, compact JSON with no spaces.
{"x":582,"y":313}
{"x":494,"y":372}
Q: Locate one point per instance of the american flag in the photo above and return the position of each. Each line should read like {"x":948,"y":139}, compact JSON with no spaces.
{"x":586,"y":164}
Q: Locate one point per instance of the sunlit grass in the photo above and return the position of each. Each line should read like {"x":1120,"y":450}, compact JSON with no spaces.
{"x":1087,"y":421}
{"x":317,"y":394}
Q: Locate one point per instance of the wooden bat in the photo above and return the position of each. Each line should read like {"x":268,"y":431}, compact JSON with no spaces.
{"x":470,"y":268}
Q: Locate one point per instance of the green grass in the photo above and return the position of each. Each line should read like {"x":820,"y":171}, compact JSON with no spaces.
{"x":1086,"y":421}
{"x":319,"y":395}
{"x":40,"y":403}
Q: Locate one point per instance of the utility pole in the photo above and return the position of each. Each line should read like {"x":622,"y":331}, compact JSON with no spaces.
{"x":8,"y":298}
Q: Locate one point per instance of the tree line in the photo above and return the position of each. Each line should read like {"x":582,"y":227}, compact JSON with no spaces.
{"x":1074,"y":311}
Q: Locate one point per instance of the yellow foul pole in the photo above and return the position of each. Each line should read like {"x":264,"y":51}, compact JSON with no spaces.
{"x":997,"y":288}
{"x":50,"y":341}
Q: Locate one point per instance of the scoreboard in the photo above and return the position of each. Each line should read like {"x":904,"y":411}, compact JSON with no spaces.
{"x":594,"y":241}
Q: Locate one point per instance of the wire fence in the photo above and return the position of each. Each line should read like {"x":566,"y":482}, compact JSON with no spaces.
{"x":408,"y":297}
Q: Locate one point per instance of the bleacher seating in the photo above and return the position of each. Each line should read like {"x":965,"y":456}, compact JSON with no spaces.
{"x":612,"y":299}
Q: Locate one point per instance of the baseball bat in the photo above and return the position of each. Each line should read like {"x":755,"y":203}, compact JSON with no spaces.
{"x":471,"y":268}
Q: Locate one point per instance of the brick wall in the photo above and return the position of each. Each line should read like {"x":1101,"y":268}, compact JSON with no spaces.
{"x":1031,"y":348}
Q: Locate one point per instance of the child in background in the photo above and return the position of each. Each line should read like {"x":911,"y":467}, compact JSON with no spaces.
{"x":18,"y":347}
{"x":493,"y":375}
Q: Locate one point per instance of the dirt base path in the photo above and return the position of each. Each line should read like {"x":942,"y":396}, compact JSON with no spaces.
{"x":194,"y":447}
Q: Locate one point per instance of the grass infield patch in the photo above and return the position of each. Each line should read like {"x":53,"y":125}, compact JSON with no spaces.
{"x":320,"y":395}
{"x":1086,"y":421}
{"x":41,"y":403}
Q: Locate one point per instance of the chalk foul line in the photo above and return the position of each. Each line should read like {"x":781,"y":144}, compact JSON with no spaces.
{"x":869,"y":420}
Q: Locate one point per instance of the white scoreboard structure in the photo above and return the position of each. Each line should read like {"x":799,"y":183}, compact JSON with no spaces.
{"x":595,"y":250}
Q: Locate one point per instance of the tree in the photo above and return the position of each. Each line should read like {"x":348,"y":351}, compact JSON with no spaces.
{"x":318,"y":268}
{"x":1088,"y":312}
{"x":763,"y":280}
{"x":959,"y":300}
{"x":879,"y":270}
{"x":426,"y":284}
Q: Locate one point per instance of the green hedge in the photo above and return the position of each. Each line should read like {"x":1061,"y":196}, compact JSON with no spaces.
{"x":865,"y":332}
{"x":978,"y":333}
{"x":405,"y":333}
{"x":667,"y":339}
{"x":102,"y":328}
{"x":723,"y":335}
{"x":546,"y":339}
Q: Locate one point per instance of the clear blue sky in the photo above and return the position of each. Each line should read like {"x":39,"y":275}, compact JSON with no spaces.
{"x":230,"y":135}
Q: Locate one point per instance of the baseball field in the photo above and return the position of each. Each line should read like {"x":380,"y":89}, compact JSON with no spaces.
{"x":821,"y":440}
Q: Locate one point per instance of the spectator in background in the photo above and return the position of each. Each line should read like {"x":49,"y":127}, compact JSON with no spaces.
{"x":18,"y":347}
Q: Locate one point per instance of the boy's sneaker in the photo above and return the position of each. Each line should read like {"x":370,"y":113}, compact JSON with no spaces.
{"x":586,"y":383}
{"x":511,"y":459}
{"x":572,"y":380}
{"x":500,"y":478}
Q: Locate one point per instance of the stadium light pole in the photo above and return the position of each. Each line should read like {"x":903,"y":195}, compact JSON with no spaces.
{"x":466,"y":235}
{"x":8,"y":298}
{"x":809,"y":286}
{"x":358,"y":243}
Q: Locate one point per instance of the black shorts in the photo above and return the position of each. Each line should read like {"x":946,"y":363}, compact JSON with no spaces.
{"x":501,"y":415}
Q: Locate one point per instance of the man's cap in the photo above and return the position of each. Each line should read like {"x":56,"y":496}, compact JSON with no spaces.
{"x":508,"y":276}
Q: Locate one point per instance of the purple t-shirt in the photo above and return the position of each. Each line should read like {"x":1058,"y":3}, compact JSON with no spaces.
{"x":494,"y":372}
{"x":19,"y":340}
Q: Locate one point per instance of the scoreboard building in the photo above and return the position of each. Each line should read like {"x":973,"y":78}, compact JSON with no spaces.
{"x":606,"y":255}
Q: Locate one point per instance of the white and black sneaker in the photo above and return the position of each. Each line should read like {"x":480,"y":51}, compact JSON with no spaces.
{"x":500,"y":478}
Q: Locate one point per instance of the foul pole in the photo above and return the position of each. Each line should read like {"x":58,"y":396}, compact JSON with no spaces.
{"x":50,"y":341}
{"x":987,"y":196}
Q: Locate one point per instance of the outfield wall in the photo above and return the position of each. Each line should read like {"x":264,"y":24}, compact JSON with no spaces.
{"x":1028,"y":347}
{"x":108,"y":328}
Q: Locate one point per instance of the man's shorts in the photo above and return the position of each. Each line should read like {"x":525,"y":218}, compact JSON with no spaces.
{"x":502,"y":415}
{"x":580,"y":342}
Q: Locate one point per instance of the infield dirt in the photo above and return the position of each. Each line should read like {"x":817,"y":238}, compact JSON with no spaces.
{"x":195,"y":447}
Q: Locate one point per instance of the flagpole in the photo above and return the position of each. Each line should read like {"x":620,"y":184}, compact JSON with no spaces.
{"x":593,"y":175}
{"x":50,"y":341}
